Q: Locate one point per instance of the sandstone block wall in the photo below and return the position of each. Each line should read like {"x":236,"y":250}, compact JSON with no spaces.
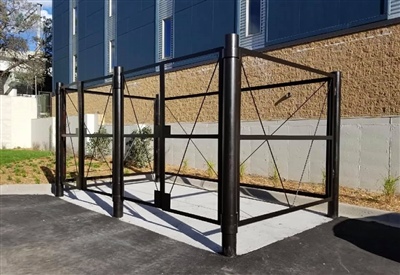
{"x":369,"y":62}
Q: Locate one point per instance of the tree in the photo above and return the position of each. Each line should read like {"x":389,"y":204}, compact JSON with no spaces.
{"x":19,"y":19}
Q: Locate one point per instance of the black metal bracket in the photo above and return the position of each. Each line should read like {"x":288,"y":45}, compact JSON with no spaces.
{"x":162,"y":200}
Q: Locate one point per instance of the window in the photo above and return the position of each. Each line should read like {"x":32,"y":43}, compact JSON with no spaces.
{"x":167,"y":38}
{"x":252,"y":27}
{"x":111,"y":56}
{"x":110,"y":8}
{"x":74,"y":21}
{"x":253,"y":17}
{"x":74,"y":68}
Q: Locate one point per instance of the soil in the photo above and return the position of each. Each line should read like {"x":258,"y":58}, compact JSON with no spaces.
{"x":42,"y":170}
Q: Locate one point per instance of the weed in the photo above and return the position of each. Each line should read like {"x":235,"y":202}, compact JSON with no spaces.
{"x":24,"y":175}
{"x":185,"y":165}
{"x":17,"y":180}
{"x":96,"y":165}
{"x":2,"y":171}
{"x":36,"y":146}
{"x":242,"y":171}
{"x":323,"y":178}
{"x":210,"y":168}
{"x":275,"y":176}
{"x":9,"y":177}
{"x":389,"y":187}
{"x":37,"y":180}
{"x":127,"y":171}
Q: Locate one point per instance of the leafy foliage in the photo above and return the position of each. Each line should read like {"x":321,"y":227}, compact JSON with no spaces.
{"x":139,"y":149}
{"x":19,"y":20}
{"x":99,"y":147}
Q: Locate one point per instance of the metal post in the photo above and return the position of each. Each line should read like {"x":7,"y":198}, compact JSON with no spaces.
{"x":329,"y":131}
{"x":230,"y":144}
{"x":220,"y":129}
{"x":333,"y":206}
{"x":60,"y":140}
{"x":118,"y":142}
{"x":156,"y":141}
{"x":81,"y":183}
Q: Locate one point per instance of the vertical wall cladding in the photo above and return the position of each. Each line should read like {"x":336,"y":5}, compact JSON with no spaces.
{"x":61,"y":41}
{"x":254,"y":41}
{"x":164,"y":10}
{"x":294,"y":19}
{"x":394,"y":9}
{"x":91,"y":46}
{"x":109,"y":32}
{"x":202,"y":25}
{"x":135,"y":35}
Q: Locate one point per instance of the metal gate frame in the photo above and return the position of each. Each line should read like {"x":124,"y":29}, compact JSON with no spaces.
{"x":229,"y":137}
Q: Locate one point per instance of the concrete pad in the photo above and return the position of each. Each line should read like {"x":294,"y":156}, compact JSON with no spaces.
{"x":201,"y":202}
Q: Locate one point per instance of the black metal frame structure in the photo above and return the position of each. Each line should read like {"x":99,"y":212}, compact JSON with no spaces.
{"x":229,"y":61}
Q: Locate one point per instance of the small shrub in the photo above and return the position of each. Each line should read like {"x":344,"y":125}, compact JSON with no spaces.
{"x":185,"y":165}
{"x":36,"y":146}
{"x":139,"y":153}
{"x":389,"y":187}
{"x":210,"y":168}
{"x":323,"y":178}
{"x":242,"y":171}
{"x":99,"y":146}
{"x":275,"y":177}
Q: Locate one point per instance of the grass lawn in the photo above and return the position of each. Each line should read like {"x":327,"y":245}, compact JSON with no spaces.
{"x":9,"y":156}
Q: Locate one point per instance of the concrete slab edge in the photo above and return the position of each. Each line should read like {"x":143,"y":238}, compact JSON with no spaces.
{"x":346,"y":210}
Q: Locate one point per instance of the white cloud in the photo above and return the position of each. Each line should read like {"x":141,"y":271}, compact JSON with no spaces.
{"x":45,"y":3}
{"x":46,"y":14}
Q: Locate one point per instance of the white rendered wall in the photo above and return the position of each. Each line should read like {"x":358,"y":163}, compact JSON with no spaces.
{"x":370,"y":148}
{"x":16,"y":113}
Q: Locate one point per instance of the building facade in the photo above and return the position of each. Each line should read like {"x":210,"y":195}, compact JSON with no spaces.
{"x":90,"y":37}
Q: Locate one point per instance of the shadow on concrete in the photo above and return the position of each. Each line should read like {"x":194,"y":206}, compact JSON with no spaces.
{"x":175,"y":224}
{"x":371,"y":236}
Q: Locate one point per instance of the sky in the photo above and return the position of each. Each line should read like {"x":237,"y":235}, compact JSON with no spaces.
{"x":46,"y":7}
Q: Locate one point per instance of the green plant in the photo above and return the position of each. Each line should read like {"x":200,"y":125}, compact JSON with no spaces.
{"x":210,"y":168}
{"x":9,"y":177}
{"x":17,"y":180}
{"x":185,"y":165}
{"x":242,"y":170}
{"x":24,"y":175}
{"x":37,"y":180}
{"x":139,"y":149}
{"x":323,"y":177}
{"x":389,"y":187}
{"x":127,"y":171}
{"x":99,"y":146}
{"x":275,"y":176}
